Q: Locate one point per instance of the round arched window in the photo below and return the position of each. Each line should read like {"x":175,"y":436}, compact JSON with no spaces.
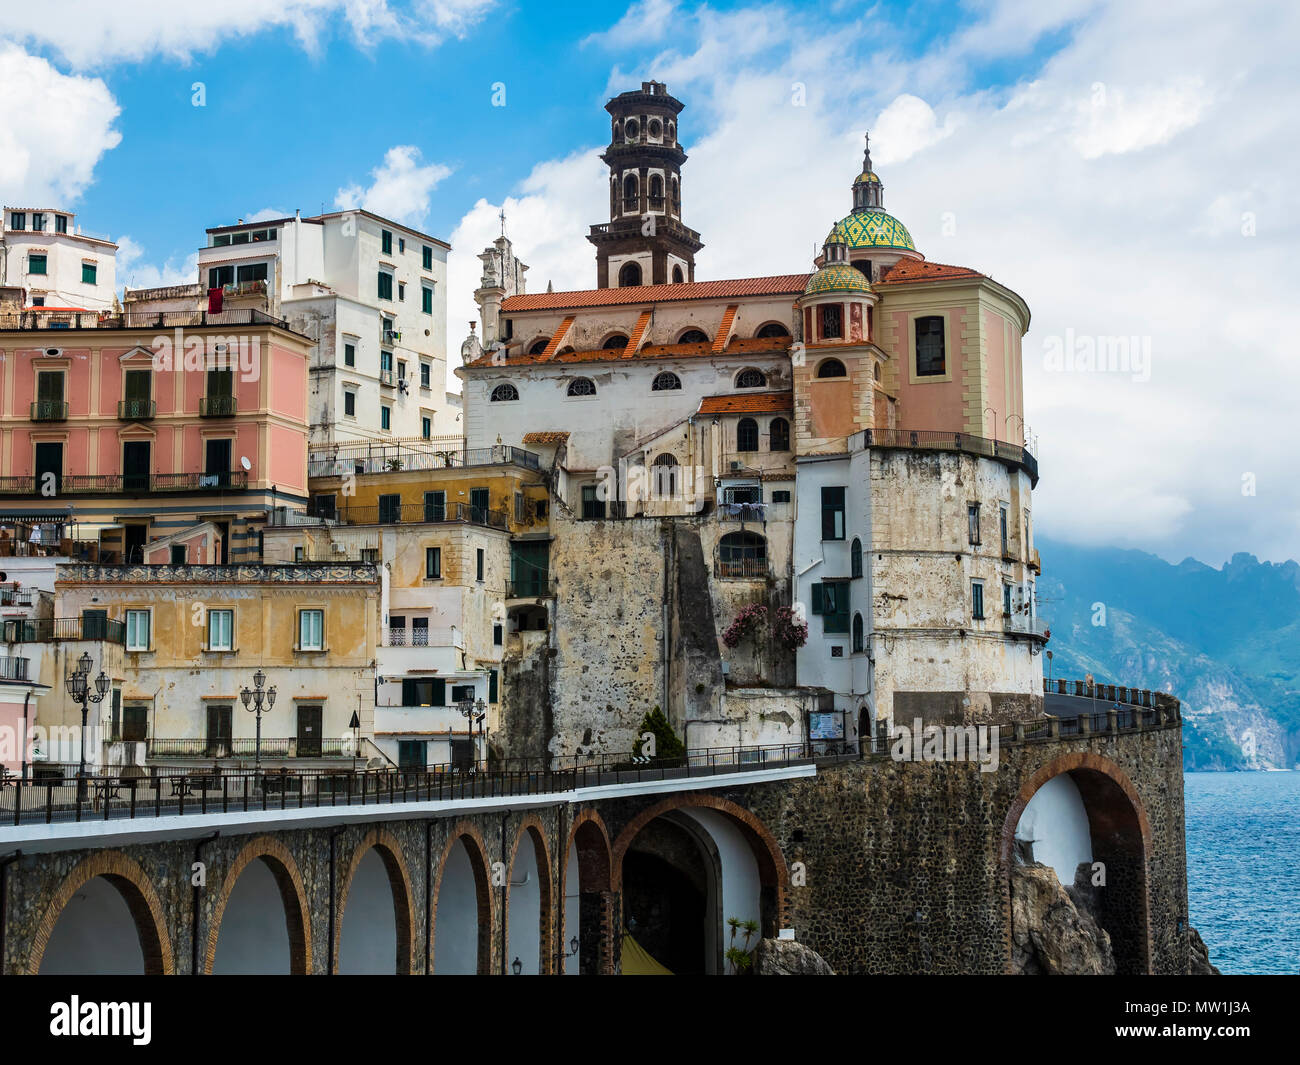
{"x":504,"y":393}
{"x":678,"y":276}
{"x":538,"y":346}
{"x":629,"y":276}
{"x":665,"y":476}
{"x":582,"y":386}
{"x":772,"y":329}
{"x":693,"y":336}
{"x":751,"y":379}
{"x":614,"y":342}
{"x":666,"y":382}
{"x":832,"y":368}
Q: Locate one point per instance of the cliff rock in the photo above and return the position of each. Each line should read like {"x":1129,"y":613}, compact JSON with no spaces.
{"x":785,"y":957}
{"x":1198,"y":955}
{"x":1053,"y":931}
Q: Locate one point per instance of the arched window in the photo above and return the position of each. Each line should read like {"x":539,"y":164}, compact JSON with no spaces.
{"x":664,"y":481}
{"x":616,"y":129}
{"x":538,"y":346}
{"x":751,"y":379}
{"x":672,"y":129}
{"x":677,"y":194}
{"x":742,"y":554}
{"x":678,"y":276}
{"x":858,"y":640}
{"x":772,"y":329}
{"x":632,"y":129}
{"x":655,"y":128}
{"x":614,"y":342}
{"x":666,"y":382}
{"x":629,"y":276}
{"x":779,"y":435}
{"x":864,"y":267}
{"x":582,"y":386}
{"x":832,"y":368}
{"x":504,"y":393}
{"x":855,"y":558}
{"x":693,"y":336}
{"x":630,"y":193}
{"x":656,"y":191}
{"x":747,"y":435}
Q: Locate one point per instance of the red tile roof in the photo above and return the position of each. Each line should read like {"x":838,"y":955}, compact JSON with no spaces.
{"x":780,"y":285}
{"x":751,"y":403}
{"x":738,"y":346}
{"x":911,"y":270}
{"x":546,"y":437}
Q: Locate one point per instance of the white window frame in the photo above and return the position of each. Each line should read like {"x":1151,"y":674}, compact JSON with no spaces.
{"x":303,"y":634}
{"x":132,"y":632}
{"x":215,"y":643}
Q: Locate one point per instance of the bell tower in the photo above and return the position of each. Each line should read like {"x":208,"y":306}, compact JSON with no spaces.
{"x":644,"y":242}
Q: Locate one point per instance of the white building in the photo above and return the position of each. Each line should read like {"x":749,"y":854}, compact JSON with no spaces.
{"x":44,"y":251}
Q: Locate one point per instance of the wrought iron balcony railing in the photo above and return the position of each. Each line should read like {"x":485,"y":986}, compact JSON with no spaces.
{"x":539,"y":587}
{"x":57,"y":630}
{"x":217,"y":407}
{"x":49,"y":410}
{"x":246,"y":747}
{"x":136,"y":410}
{"x":127,"y":483}
{"x":12,"y":668}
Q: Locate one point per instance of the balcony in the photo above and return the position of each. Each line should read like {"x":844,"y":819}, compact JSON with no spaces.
{"x":930,"y":440}
{"x":402,"y":638}
{"x":136,"y":410}
{"x":741,"y":569}
{"x":49,"y":410}
{"x":39,"y":318}
{"x":59,"y":630}
{"x":246,"y":747}
{"x":128,"y":484}
{"x":14,"y":668}
{"x":17,"y":597}
{"x":339,"y":460}
{"x":387,"y":379}
{"x":539,"y":587}
{"x":1021,"y":625}
{"x":217,"y":407}
{"x":404,"y":514}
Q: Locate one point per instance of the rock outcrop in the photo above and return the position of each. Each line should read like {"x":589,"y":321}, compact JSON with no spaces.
{"x":1053,"y":929}
{"x":785,"y":957}
{"x":1198,"y":955}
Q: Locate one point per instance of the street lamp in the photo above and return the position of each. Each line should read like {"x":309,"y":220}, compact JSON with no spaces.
{"x":572,"y":951}
{"x":517,"y":966}
{"x":78,"y":682}
{"x":474,"y":713}
{"x":257,"y":697}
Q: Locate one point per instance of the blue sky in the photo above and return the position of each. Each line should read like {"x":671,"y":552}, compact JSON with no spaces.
{"x":1125,"y":165}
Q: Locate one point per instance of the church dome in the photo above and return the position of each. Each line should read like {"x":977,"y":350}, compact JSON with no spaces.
{"x":872,"y":229}
{"x":837,"y":277}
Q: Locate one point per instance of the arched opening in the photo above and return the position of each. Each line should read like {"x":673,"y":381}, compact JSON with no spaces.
{"x":615,"y":341}
{"x":858,"y":639}
{"x":677,"y":195}
{"x":656,"y":191}
{"x":772,"y":329}
{"x":655,"y":129}
{"x":678,"y":277}
{"x":96,"y":934}
{"x":504,"y":394}
{"x":587,"y":899}
{"x":666,"y":382}
{"x":375,"y":918}
{"x":855,"y":558}
{"x":779,"y":435}
{"x":863,"y":266}
{"x":581,"y":386}
{"x":632,"y":128}
{"x":1081,"y":817}
{"x":538,"y":346}
{"x":664,"y":479}
{"x":261,"y":923}
{"x":831,"y":368}
{"x":742,"y":554}
{"x":686,"y":868}
{"x":630,"y":193}
{"x":630,"y":275}
{"x":462,"y":912}
{"x":693,"y":336}
{"x":751,"y":378}
{"x":528,"y":905}
{"x":747,"y":435}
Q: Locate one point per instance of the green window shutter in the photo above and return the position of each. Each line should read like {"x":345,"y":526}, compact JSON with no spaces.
{"x":410,"y":693}
{"x":492,"y":686}
{"x":818,"y":599}
{"x":439,"y":691}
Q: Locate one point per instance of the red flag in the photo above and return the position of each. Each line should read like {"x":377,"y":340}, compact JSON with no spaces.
{"x":214,"y":300}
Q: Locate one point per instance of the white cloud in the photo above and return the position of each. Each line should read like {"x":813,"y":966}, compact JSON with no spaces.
{"x":645,"y":22}
{"x":134,"y":272}
{"x":908,"y":125}
{"x":56,"y":128}
{"x":99,"y":34}
{"x":400,"y":187}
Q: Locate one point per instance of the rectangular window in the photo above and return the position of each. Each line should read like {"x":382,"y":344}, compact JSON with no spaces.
{"x":478,"y":505}
{"x":385,"y":418}
{"x":219,"y":276}
{"x":386,"y":362}
{"x":178,"y":555}
{"x":252,"y":272}
{"x":135,"y":724}
{"x":390,"y":509}
{"x":519,"y":506}
{"x":401,"y":369}
{"x":498,"y":636}
{"x":38,"y":222}
{"x":832,"y":321}
{"x":478,"y":564}
{"x":221,"y":630}
{"x":299,"y":554}
{"x":419,"y":632}
{"x":833,"y":513}
{"x":830,"y":599}
{"x":426,"y":428}
{"x":385,"y":285}
{"x":60,"y":223}
{"x":977,"y":600}
{"x":36,"y":264}
{"x":401,"y":291}
{"x":973,"y":522}
{"x":349,"y":404}
{"x":88,"y":271}
{"x":386,"y":242}
{"x":401,"y":245}
{"x":349,"y":354}
{"x":411,"y":754}
{"x":311,"y":630}
{"x":137,"y":630}
{"x":1006,"y":600}
{"x":18,"y":220}
{"x":780,"y":496}
{"x":426,"y":299}
{"x":930,"y":357}
{"x":433,"y":563}
{"x":461,"y":692}
{"x":593,"y":507}
{"x":1002,"y":527}
{"x":427,"y":258}
{"x":435,"y":506}
{"x":431,"y":692}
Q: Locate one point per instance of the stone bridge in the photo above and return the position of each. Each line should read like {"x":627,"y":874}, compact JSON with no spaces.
{"x":879,"y":865}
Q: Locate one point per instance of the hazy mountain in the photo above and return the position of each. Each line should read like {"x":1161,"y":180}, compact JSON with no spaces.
{"x":1225,"y":641}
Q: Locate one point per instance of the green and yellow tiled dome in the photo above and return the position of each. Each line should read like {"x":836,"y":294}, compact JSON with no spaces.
{"x":838,"y":277}
{"x":866,"y":178}
{"x":871,"y":229}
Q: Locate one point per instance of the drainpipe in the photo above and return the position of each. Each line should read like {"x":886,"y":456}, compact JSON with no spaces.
{"x":329,"y":971}
{"x":5,"y":862}
{"x":194,"y":916}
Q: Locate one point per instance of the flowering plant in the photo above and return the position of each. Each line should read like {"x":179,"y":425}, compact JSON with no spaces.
{"x":749,"y":620}
{"x":789,"y":630}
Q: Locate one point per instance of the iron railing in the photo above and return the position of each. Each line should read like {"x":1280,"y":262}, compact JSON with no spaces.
{"x":49,"y":410}
{"x":748,"y":569}
{"x":397,"y":458}
{"x":12,"y":668}
{"x":396,"y":514}
{"x":38,"y":318}
{"x":57,"y":630}
{"x":128,"y":483}
{"x":931,"y":440}
{"x":246,"y":747}
{"x":537,"y":587}
{"x":217,"y":406}
{"x":16,"y":597}
{"x":136,"y":410}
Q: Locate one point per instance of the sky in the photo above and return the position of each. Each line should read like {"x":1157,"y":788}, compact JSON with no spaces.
{"x":1127,"y":167}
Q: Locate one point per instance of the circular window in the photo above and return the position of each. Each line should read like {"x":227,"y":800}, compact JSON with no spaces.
{"x":631,"y":129}
{"x":655,"y":129}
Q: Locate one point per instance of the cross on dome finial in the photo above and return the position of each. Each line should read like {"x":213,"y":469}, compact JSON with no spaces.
{"x":866,"y":152}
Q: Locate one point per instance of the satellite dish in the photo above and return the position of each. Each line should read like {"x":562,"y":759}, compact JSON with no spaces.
{"x":243,"y":461}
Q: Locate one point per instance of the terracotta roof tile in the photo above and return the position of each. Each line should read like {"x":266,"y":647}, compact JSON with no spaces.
{"x":549,"y":437}
{"x":778,"y":285}
{"x":911,"y":270}
{"x":738,"y":346}
{"x":747,"y":403}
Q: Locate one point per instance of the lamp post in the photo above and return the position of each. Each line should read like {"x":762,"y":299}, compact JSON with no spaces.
{"x":78,"y":682}
{"x":257,"y":697}
{"x":474,"y":713}
{"x":564,"y":955}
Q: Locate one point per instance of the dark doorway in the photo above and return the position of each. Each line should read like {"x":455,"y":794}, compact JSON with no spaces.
{"x":134,"y":538}
{"x":664,"y":911}
{"x":219,"y":731}
{"x":478,"y":505}
{"x":309,"y":731}
{"x":223,"y":530}
{"x":216,"y":463}
{"x":49,"y":461}
{"x":135,"y":466}
{"x":94,"y":625}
